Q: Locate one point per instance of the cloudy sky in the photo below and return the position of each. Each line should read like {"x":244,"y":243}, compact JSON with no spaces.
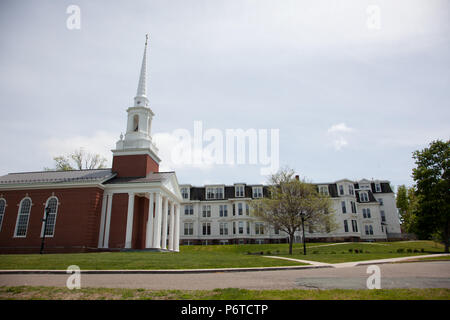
{"x":354,"y":87}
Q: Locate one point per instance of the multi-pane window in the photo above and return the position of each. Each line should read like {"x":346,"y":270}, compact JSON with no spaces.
{"x":23,"y":217}
{"x":239,"y":191}
{"x":368,"y":229}
{"x":366,"y":213}
{"x":206,"y":212}
{"x":351,"y":190}
{"x":185,"y":192}
{"x":206,"y":228}
{"x":257,"y":192}
{"x":377,"y":187}
{"x":354,"y":226}
{"x":214,"y":193}
{"x":341,"y":190}
{"x":363,"y":197}
{"x":241,"y":227}
{"x":383,"y":216}
{"x":188,"y":229}
{"x":353,"y":205}
{"x":240,"y":209}
{"x":344,"y":208}
{"x":248,"y":227}
{"x":223,"y":228}
{"x":345,"y":226}
{"x":323,"y":190}
{"x":380,"y":201}
{"x":223,"y":210}
{"x":259,"y":227}
{"x":247,"y":209}
{"x":52,"y":204}
{"x":2,"y":211}
{"x":234,"y":209}
{"x":189,"y":209}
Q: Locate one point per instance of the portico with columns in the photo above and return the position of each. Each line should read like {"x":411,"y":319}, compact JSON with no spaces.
{"x":140,"y":205}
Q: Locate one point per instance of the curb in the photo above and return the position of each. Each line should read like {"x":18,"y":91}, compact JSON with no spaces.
{"x":173,"y":271}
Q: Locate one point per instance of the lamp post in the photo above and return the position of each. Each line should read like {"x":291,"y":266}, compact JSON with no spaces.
{"x":47,"y":211}
{"x":302,"y":215}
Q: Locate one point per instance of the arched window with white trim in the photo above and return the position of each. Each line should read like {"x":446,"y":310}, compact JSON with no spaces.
{"x":2,"y":211}
{"x":51,"y":203}
{"x":23,"y":217}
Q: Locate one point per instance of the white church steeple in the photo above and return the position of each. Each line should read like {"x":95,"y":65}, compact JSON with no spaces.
{"x":138,"y":138}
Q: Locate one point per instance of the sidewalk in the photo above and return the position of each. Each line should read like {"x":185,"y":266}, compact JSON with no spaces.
{"x":359,"y":263}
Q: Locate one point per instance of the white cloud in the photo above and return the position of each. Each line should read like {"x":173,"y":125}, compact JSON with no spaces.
{"x":340,"y":127}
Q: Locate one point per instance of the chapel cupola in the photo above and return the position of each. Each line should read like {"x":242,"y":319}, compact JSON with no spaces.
{"x":135,"y":154}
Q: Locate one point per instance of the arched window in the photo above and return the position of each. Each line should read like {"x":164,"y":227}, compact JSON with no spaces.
{"x":2,"y":211}
{"x":52,"y":203}
{"x":136,"y":123}
{"x":23,"y":217}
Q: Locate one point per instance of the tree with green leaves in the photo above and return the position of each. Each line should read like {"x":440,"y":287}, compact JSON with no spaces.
{"x":407,"y":206}
{"x":293,"y":205}
{"x":78,"y":160}
{"x":432,"y":179}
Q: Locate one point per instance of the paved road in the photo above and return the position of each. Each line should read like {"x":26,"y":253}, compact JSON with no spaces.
{"x":400,"y":275}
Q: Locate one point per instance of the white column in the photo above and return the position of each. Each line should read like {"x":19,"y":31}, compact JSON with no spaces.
{"x":149,"y":233}
{"x":164,"y":223}
{"x":108,"y":221}
{"x":157,"y":221}
{"x":176,"y":229}
{"x":130,"y":216}
{"x":102,"y":221}
{"x":171,"y":225}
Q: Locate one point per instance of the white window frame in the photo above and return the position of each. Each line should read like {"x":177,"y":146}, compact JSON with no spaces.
{"x":223,"y":228}
{"x":208,"y":228}
{"x":18,"y":218}
{"x":257,"y":192}
{"x":239,"y":191}
{"x":2,"y":212}
{"x":377,"y":187}
{"x":190,"y":228}
{"x":190,"y":210}
{"x":259,"y":228}
{"x":223,"y":210}
{"x":366,"y":197}
{"x":185,"y":191}
{"x":45,"y":217}
{"x":214,"y":192}
{"x":206,"y":211}
{"x":324,"y":190}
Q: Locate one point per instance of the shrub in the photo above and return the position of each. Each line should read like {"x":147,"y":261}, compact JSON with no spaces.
{"x":268,"y":252}
{"x":400,"y":250}
{"x":416,"y":250}
{"x":356,"y":250}
{"x":350,"y":250}
{"x":315,"y":252}
{"x":409,"y":250}
{"x":422,"y":250}
{"x":261,"y":253}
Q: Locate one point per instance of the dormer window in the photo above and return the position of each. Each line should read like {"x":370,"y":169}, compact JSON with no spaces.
{"x":257,"y":192}
{"x":323,"y":190}
{"x":185,"y":192}
{"x":377,"y":187}
{"x":341,"y":190}
{"x":239,"y":191}
{"x":351,"y":190}
{"x":214,"y":193}
{"x":363,"y":197}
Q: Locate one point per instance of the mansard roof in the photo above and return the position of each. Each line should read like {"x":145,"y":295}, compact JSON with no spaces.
{"x":52,"y":177}
{"x":151,"y":177}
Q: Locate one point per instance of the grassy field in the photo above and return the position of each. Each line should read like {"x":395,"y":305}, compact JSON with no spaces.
{"x":366,"y":251}
{"x":225,"y":256}
{"x":54,"y":293}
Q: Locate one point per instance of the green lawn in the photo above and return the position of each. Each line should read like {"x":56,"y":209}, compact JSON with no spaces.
{"x":225,"y":256}
{"x":55,"y":293}
{"x":366,"y":251}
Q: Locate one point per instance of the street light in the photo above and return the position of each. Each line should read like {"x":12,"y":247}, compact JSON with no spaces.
{"x":47,"y":211}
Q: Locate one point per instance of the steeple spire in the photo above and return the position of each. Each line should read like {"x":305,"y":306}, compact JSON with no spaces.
{"x":141,"y":99}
